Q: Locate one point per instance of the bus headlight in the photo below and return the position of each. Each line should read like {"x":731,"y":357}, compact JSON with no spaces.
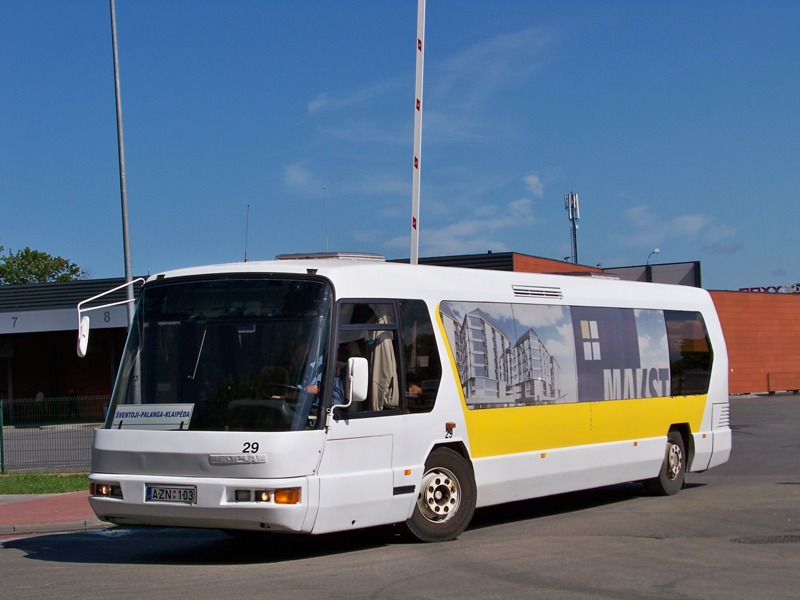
{"x":243,"y":495}
{"x":105,"y":490}
{"x":251,"y":495}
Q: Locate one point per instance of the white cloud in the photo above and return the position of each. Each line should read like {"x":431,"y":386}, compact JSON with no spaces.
{"x":491,"y":64}
{"x":319,"y":103}
{"x":641,"y":217}
{"x":449,"y":127}
{"x":327,"y":101}
{"x":465,"y":88}
{"x":689,"y":225}
{"x":367,"y":132}
{"x":379,"y":184}
{"x":720,"y":232}
{"x":646,"y":228}
{"x":731,"y":248}
{"x":298,"y":177}
{"x":534,"y":184}
{"x":460,"y":94}
{"x":482,"y":230}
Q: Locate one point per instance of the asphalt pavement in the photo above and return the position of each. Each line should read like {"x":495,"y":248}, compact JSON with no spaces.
{"x":47,"y":513}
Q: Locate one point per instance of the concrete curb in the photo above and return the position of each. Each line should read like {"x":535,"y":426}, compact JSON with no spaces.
{"x":87,"y":525}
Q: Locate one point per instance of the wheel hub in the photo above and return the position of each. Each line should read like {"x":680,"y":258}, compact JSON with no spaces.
{"x":674,"y":461}
{"x":440,"y":495}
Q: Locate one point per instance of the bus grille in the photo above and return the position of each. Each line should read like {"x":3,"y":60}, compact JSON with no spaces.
{"x":722,"y":416}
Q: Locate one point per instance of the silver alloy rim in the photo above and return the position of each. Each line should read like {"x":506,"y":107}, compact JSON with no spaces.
{"x":674,"y":461}
{"x":440,"y":495}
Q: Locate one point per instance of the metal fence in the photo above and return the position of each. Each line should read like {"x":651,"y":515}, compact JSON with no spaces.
{"x":51,"y":434}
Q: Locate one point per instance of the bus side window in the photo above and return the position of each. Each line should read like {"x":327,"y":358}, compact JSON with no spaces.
{"x":369,"y":329}
{"x":380,"y":331}
{"x":423,"y":368}
{"x":690,"y":353}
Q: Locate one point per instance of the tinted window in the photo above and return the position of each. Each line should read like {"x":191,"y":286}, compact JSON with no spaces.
{"x":369,"y":330}
{"x":690,"y":353}
{"x":398,"y":342}
{"x":423,"y":368}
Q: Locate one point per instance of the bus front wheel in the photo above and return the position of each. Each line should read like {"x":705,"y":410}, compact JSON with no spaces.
{"x":446,"y":500}
{"x":673,"y":470}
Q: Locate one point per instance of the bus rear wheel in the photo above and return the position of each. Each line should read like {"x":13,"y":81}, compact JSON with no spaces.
{"x":673,"y":470}
{"x":446,"y":500}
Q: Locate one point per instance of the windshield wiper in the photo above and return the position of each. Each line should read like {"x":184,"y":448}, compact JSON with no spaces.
{"x":199,"y":354}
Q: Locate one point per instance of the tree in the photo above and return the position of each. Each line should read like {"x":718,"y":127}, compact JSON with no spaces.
{"x":34,"y":266}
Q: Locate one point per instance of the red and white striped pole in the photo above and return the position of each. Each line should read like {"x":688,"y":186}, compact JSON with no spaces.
{"x":417,"y":133}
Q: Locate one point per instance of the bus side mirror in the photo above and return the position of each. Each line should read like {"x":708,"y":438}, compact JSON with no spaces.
{"x":357,"y":380}
{"x":83,"y":335}
{"x":355,"y":385}
{"x":83,"y":320}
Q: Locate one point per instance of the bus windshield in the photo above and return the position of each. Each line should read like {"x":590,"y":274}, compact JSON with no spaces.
{"x":226,"y":354}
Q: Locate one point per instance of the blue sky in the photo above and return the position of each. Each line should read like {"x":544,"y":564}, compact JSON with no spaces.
{"x":677,"y":123}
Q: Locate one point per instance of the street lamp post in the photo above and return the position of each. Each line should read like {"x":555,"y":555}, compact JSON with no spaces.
{"x":649,"y":256}
{"x":648,"y":268}
{"x":123,"y":189}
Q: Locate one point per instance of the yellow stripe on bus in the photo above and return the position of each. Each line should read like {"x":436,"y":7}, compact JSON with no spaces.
{"x":498,"y":431}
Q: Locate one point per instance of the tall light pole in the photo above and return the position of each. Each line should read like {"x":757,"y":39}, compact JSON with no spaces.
{"x":123,"y":188}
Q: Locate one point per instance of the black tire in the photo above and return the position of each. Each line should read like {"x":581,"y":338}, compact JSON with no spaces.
{"x":446,"y":500}
{"x":673,"y":470}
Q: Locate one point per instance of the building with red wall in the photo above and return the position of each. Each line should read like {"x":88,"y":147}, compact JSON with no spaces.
{"x":762,"y":332}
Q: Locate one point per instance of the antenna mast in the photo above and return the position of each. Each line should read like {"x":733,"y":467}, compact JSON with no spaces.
{"x":574,"y":212}
{"x":325,"y":207}
{"x":414,"y":256}
{"x":246,"y":231}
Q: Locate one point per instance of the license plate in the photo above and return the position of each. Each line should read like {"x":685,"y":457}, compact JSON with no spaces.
{"x":159,"y":493}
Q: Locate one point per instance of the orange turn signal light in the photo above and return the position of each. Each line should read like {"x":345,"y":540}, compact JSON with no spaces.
{"x":286,"y":496}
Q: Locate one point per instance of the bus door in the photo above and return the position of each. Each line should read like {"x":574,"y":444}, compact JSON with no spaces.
{"x":356,"y":473}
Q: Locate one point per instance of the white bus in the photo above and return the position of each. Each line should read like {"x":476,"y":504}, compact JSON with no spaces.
{"x":332,"y":392}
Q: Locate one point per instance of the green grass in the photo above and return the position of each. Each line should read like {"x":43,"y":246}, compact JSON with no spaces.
{"x":43,"y":483}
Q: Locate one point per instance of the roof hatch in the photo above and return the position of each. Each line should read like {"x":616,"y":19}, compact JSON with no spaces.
{"x":330,"y":255}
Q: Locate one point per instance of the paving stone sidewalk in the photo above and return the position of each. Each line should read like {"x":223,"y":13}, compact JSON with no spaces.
{"x":47,"y":513}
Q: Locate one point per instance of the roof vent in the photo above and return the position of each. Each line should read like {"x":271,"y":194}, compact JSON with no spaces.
{"x":536,"y":291}
{"x":331,"y":255}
